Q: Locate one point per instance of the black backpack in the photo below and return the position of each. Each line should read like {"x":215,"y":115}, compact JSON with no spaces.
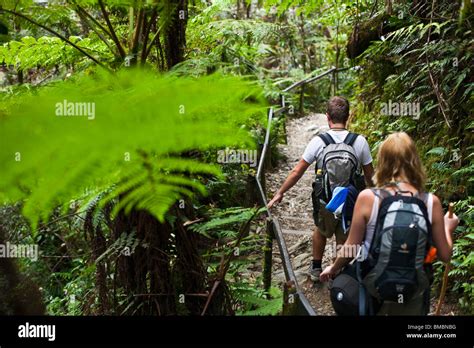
{"x":344,"y":292}
{"x":348,"y":295}
{"x":394,"y":267}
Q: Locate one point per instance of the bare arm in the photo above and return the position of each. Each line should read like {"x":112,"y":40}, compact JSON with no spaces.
{"x":368,"y":174}
{"x":361,"y":216}
{"x":290,"y":181}
{"x":443,"y":228}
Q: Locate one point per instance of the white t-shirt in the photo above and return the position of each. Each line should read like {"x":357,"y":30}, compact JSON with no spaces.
{"x":316,"y":145}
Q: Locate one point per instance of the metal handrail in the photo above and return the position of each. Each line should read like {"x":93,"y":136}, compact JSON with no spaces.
{"x":290,"y":276}
{"x":262,"y":159}
{"x":314,"y":78}
{"x":307,"y":80}
{"x":278,"y":234}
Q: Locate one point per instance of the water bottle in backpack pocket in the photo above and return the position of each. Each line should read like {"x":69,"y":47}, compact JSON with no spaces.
{"x":400,"y":243}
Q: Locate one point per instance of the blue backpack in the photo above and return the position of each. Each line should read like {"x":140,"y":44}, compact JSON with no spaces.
{"x":342,"y":204}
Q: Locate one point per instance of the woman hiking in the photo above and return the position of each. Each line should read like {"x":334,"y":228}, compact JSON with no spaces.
{"x":399,"y":179}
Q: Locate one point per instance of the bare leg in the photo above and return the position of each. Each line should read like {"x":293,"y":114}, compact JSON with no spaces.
{"x":319,"y":243}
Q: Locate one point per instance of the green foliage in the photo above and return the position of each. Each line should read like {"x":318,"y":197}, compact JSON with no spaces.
{"x":216,"y":40}
{"x":224,"y":226}
{"x":117,"y":34}
{"x":125,"y":244}
{"x":48,"y":52}
{"x":243,"y":278}
{"x":56,"y":16}
{"x":224,"y":219}
{"x":78,"y":295}
{"x":255,"y":302}
{"x":463,"y":257}
{"x":153,"y":139}
{"x":440,"y":151}
{"x":428,"y":62}
{"x":301,"y":6}
{"x":62,"y":271}
{"x":163,"y":117}
{"x":228,"y":190}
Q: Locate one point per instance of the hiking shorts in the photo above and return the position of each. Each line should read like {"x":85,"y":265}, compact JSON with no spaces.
{"x":328,"y":225}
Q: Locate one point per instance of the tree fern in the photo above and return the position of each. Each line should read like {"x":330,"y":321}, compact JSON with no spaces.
{"x":143,"y":123}
{"x":252,"y":301}
{"x":48,"y":52}
{"x":225,"y":219}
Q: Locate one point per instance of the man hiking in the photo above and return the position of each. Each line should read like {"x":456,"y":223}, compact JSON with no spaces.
{"x":338,"y":155}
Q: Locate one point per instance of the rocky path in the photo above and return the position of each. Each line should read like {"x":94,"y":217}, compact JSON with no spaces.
{"x":295,"y":211}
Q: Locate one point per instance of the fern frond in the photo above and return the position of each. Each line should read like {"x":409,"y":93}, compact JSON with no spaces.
{"x":133,"y":144}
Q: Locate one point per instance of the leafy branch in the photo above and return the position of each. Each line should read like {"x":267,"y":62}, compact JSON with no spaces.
{"x":55,"y":33}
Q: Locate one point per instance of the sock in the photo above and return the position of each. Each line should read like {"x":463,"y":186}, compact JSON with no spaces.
{"x":317,"y":264}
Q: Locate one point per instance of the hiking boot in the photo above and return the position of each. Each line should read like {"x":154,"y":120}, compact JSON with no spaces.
{"x":314,"y":273}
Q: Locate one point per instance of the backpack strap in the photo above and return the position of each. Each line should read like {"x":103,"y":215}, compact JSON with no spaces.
{"x":326,"y":138}
{"x":398,"y":190}
{"x":424,"y":197}
{"x":381,"y":193}
{"x":350,"y":138}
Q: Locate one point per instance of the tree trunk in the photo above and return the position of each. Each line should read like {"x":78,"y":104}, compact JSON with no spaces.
{"x":18,"y":294}
{"x":175,"y":33}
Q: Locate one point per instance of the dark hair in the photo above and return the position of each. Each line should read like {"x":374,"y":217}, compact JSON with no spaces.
{"x":338,"y":109}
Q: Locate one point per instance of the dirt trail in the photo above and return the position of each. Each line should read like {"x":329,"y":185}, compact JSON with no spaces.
{"x":295,"y":211}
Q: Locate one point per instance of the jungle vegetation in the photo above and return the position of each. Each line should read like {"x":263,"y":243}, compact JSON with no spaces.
{"x":130,"y":208}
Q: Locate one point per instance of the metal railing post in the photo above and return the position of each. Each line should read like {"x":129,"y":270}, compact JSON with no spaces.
{"x":301,"y":110}
{"x":290,"y":298}
{"x":267,"y":259}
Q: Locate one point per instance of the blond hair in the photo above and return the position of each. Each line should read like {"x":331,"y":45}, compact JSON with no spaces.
{"x":398,"y":160}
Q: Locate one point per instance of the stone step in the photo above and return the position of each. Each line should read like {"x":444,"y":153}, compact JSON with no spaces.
{"x":296,"y":232}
